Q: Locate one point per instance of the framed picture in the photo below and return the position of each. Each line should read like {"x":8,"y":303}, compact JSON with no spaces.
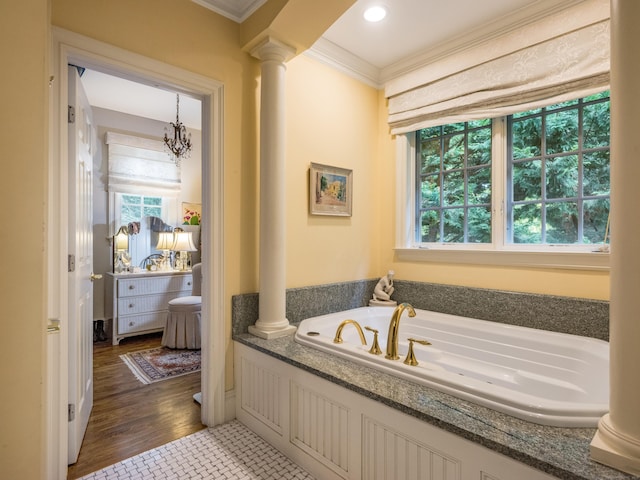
{"x":330,"y":190}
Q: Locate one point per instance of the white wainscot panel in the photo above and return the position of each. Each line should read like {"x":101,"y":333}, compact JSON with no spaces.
{"x":260,"y":394}
{"x":389,"y":455}
{"x":320,"y":427}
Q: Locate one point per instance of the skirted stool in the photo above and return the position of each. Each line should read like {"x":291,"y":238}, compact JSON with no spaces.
{"x":182,"y":327}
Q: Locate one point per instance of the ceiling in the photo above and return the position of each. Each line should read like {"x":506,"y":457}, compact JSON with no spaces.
{"x":413,"y":33}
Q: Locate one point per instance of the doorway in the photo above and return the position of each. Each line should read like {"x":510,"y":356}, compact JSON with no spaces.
{"x":70,"y":48}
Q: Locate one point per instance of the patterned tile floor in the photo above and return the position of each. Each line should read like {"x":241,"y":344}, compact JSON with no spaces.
{"x":229,"y":451}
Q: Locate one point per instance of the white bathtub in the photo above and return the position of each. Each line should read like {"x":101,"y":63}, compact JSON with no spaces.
{"x":543,"y":377}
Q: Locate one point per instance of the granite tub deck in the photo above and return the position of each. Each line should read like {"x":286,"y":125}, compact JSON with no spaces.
{"x":561,"y":452}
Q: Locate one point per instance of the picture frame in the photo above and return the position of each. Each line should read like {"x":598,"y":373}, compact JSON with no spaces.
{"x":330,"y":190}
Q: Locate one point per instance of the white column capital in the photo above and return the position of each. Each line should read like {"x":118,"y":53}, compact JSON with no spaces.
{"x":271,"y":49}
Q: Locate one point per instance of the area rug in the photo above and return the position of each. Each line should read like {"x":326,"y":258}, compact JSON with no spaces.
{"x":161,"y":363}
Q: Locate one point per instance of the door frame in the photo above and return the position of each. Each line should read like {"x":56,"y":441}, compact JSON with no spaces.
{"x":69,"y":47}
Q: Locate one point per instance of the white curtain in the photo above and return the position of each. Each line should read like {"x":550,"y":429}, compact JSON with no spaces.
{"x":563,"y":66}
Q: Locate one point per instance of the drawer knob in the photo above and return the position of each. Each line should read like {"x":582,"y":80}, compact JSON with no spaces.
{"x":131,"y":305}
{"x":131,"y":324}
{"x":131,"y":287}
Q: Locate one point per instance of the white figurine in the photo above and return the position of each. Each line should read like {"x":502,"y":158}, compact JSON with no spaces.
{"x":383,"y":291}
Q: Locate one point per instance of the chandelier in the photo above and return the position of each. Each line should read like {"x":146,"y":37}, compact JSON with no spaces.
{"x":178,"y":146}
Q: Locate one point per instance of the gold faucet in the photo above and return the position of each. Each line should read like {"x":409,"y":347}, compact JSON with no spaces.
{"x":411,"y":357}
{"x":338,"y":337}
{"x":394,"y":325}
{"x":375,"y":348}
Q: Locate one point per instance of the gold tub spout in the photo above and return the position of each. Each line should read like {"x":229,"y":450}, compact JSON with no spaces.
{"x":394,"y":325}
{"x":338,"y":337}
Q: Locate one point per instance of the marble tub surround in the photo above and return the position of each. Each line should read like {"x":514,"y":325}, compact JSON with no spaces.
{"x":575,"y":316}
{"x":305,"y":302}
{"x":561,"y":452}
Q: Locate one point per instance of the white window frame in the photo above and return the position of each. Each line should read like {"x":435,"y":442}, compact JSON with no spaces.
{"x":583,"y":257}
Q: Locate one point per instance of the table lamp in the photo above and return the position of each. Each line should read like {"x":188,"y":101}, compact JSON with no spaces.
{"x":120,"y":247}
{"x":165,"y":243}
{"x":182,"y":243}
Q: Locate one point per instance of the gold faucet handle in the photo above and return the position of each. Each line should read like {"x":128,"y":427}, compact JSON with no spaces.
{"x":375,"y":348}
{"x":411,"y":358}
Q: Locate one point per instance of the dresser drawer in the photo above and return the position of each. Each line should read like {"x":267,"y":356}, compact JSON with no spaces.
{"x":145,"y":303}
{"x":128,"y":287}
{"x":139,"y":323}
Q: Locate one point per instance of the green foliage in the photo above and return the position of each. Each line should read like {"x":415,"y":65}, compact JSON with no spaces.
{"x":559,"y":176}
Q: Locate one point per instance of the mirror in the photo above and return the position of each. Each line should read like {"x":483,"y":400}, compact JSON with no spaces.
{"x":143,"y":239}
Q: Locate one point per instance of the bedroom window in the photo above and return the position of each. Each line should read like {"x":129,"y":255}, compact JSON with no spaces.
{"x":134,"y":207}
{"x":531,"y":180}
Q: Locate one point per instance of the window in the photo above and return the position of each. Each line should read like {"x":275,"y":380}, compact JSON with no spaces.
{"x":134,"y":207}
{"x":454,"y":183}
{"x":559,"y":173}
{"x":536,"y":178}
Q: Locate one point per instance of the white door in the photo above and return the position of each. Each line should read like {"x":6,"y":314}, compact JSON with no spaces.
{"x":80,"y":328}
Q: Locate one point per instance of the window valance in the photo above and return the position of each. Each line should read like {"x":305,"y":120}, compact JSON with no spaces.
{"x":564,"y":58}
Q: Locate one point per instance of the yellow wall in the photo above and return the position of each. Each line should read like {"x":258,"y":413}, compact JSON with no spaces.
{"x":24,"y":99}
{"x":331,"y":120}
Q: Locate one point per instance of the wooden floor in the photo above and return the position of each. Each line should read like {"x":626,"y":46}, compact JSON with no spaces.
{"x":129,"y":417}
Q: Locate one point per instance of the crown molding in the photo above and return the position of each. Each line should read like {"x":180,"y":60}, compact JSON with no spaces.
{"x":236,"y":10}
{"x":329,"y":53}
{"x":333,"y":55}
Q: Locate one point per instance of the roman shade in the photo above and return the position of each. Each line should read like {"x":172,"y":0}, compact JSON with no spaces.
{"x":558,"y":58}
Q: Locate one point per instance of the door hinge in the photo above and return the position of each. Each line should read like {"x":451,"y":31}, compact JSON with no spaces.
{"x":71,"y":263}
{"x":72,"y":412}
{"x":71,"y":114}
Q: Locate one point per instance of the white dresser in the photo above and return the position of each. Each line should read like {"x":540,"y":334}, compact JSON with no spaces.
{"x":138,"y":302}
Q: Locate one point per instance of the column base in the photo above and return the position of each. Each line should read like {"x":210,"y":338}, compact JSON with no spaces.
{"x":270,"y":334}
{"x":615,"y":450}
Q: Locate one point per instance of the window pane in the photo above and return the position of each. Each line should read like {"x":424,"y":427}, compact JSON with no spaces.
{"x":454,"y":225}
{"x":430,"y":226}
{"x":562,"y":177}
{"x":479,"y":147}
{"x":527,"y":224}
{"x":562,"y":222}
{"x":153,"y":200}
{"x":595,"y":122}
{"x":153,"y":212}
{"x":430,"y":132}
{"x":452,"y":127}
{"x":562,"y":131}
{"x":527,"y":113}
{"x":479,"y":220}
{"x":453,"y":152}
{"x":479,"y":186}
{"x":430,"y":191}
{"x":527,"y":182}
{"x":430,"y":155}
{"x":596,"y":215}
{"x":137,"y":199}
{"x":527,"y":138}
{"x":480,"y":123}
{"x":596,"y":173}
{"x":453,"y":187}
{"x":130,"y":213}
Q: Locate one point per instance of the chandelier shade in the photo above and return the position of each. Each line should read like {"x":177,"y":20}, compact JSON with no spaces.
{"x":177,"y":141}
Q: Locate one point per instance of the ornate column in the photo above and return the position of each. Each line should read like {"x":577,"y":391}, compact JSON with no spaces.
{"x":617,"y":442}
{"x":272,"y":321}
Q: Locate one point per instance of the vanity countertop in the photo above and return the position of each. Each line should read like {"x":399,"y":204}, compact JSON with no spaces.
{"x":561,"y":452}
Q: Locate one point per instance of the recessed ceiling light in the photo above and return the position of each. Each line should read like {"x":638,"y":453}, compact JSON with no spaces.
{"x":375,"y":13}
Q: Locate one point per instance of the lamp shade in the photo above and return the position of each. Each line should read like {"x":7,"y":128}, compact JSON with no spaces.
{"x":121,"y":239}
{"x":165,"y":241}
{"x":183,"y":242}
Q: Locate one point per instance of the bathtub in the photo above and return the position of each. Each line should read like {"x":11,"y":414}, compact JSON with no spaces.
{"x":543,"y":377}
